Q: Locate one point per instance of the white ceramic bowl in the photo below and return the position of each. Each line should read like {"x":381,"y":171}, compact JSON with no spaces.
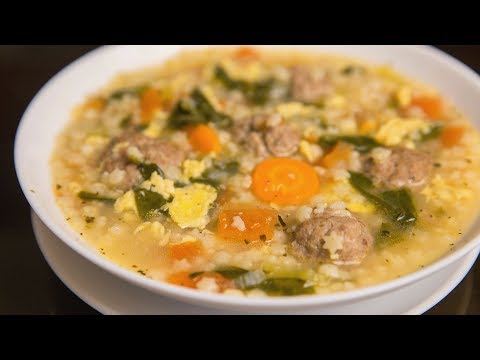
{"x":50,"y":111}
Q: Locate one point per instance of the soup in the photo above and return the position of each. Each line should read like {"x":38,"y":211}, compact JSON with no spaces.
{"x":250,"y":172}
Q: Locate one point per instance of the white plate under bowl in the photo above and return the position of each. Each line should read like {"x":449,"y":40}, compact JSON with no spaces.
{"x":111,"y":295}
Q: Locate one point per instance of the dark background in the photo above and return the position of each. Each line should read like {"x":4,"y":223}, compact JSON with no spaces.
{"x":27,"y":284}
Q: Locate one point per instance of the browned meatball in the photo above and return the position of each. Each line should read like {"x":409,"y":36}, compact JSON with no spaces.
{"x":244,"y":126}
{"x":308,"y":86}
{"x":258,"y":135}
{"x":282,"y":140}
{"x":158,"y":151}
{"x":403,"y":167}
{"x":255,"y":143}
{"x":347,"y":237}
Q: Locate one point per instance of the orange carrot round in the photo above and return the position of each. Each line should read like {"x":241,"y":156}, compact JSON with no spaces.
{"x":246,"y":53}
{"x":203,"y":139}
{"x":452,"y":135}
{"x":149,"y":102}
{"x":250,"y":224}
{"x":284,"y":181}
{"x":432,"y":106}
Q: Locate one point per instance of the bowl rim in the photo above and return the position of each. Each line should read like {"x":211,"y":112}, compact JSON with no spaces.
{"x":221,"y":300}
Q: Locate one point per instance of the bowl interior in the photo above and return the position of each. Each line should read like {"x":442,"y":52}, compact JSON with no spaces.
{"x":50,"y":110}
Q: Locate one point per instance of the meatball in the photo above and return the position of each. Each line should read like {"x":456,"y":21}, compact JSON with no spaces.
{"x":399,"y":167}
{"x":158,"y":151}
{"x":265,"y":134}
{"x":254,"y":143}
{"x":341,"y":240}
{"x":309,"y":86}
{"x":282,"y":140}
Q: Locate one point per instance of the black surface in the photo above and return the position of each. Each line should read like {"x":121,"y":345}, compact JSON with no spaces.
{"x":27,"y":284}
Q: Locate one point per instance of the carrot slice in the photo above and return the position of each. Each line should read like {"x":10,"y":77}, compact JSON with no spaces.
{"x":284,"y":181}
{"x":246,"y":53}
{"x":432,"y":106}
{"x":149,"y":103}
{"x":250,"y":224}
{"x":338,"y":157}
{"x":203,"y":139}
{"x":186,"y":250}
{"x":181,"y":279}
{"x":452,"y":135}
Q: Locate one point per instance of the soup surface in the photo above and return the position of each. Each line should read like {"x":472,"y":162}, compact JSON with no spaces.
{"x":249,"y":172}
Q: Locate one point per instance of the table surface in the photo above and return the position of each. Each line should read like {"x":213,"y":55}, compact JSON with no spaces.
{"x":27,"y":284}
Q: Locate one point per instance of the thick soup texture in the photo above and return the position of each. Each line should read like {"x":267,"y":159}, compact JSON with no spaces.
{"x":255,"y":173}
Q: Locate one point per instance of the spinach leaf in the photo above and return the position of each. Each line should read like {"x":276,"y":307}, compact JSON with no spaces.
{"x":194,"y":110}
{"x":434,"y":133}
{"x":396,"y":204}
{"x":220,"y":169}
{"x":215,"y":175}
{"x":231,"y":272}
{"x":256,"y":92}
{"x":401,"y":203}
{"x":119,"y":94}
{"x":88,"y":196}
{"x":286,"y":287}
{"x":361,"y":143}
{"x":388,"y":234}
{"x":148,"y":203}
{"x":147,"y":169}
{"x":126,"y":121}
{"x":206,"y":181}
{"x":195,"y":274}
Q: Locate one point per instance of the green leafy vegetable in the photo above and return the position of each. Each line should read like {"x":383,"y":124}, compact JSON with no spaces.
{"x":126,"y":121}
{"x":88,"y":196}
{"x":397,"y":205}
{"x":388,"y":234}
{"x":147,"y":169}
{"x":210,"y":182}
{"x":216,"y":174}
{"x":249,"y":279}
{"x":231,"y":272}
{"x":255,"y":92}
{"x":119,"y":94}
{"x":435,"y":132}
{"x":196,"y":274}
{"x":148,"y":203}
{"x":286,"y":287}
{"x":400,"y":201}
{"x":361,"y":143}
{"x":195,"y":110}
